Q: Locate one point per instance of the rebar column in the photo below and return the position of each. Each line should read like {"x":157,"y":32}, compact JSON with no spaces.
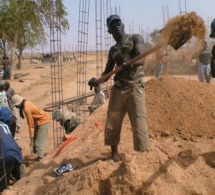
{"x":184,"y":9}
{"x":56,"y":67}
{"x":99,"y":43}
{"x":83,"y":24}
{"x":107,"y":37}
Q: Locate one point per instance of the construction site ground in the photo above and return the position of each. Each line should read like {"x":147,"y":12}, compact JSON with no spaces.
{"x":181,"y":123}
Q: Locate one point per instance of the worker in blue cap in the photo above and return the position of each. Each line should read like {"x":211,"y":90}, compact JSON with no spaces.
{"x":128,"y":92}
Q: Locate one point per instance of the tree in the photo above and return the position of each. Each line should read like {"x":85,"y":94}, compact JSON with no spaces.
{"x":23,"y":22}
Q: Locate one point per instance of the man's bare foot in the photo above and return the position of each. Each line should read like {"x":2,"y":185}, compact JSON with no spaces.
{"x":114,"y":154}
{"x":146,"y":151}
{"x":115,"y":158}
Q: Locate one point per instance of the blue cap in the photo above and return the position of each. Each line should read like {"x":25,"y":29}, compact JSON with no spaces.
{"x":112,"y":18}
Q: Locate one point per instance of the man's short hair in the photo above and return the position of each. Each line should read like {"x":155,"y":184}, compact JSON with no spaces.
{"x":111,"y":18}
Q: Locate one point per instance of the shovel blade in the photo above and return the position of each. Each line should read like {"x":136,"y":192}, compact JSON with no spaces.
{"x":177,"y":39}
{"x":180,"y":41}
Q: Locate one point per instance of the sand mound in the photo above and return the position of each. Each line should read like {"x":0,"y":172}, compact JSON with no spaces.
{"x":176,"y":108}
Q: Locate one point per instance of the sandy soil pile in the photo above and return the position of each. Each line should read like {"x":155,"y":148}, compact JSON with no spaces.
{"x":180,"y":108}
{"x":181,"y":160}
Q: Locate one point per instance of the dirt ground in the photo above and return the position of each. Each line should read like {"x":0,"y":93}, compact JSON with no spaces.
{"x":180,"y":114}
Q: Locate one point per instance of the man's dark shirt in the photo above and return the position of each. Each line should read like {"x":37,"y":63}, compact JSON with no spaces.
{"x":10,"y":148}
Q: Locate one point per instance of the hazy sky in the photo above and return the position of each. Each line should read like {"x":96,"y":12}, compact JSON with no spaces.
{"x":135,"y":13}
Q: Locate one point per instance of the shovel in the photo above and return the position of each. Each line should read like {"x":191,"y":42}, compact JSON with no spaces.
{"x":176,"y":33}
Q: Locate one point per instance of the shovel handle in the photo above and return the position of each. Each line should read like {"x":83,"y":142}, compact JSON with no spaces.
{"x":135,"y":59}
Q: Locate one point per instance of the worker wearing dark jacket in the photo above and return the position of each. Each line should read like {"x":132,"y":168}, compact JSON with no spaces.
{"x":7,"y":118}
{"x":12,"y":157}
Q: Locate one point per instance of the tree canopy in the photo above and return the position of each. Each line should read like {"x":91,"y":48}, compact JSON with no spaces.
{"x":25,"y":22}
